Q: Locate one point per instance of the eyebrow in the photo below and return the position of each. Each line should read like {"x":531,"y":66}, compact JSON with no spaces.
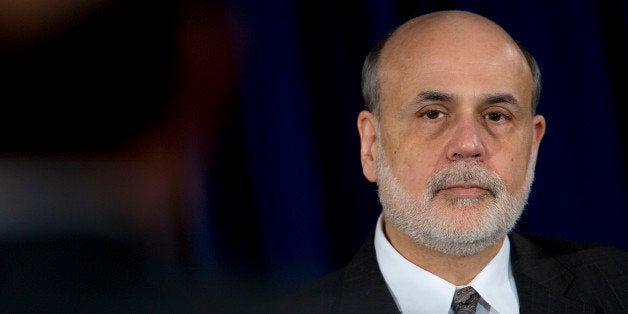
{"x":435,"y":95}
{"x":500,"y":98}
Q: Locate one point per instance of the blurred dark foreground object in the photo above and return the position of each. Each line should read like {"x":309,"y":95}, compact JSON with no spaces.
{"x":85,"y":274}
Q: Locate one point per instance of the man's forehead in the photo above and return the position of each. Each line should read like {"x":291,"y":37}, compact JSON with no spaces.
{"x":457,"y":83}
{"x":456,"y":67}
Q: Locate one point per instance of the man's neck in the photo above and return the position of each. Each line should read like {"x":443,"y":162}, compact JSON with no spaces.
{"x":458,"y":270}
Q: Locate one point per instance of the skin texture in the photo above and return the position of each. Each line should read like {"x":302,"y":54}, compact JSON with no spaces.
{"x":454,"y":87}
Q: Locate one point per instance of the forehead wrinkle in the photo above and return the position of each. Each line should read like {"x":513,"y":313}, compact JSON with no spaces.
{"x":433,"y":95}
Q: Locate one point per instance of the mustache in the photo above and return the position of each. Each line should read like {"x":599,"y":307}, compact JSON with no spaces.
{"x":467,"y":173}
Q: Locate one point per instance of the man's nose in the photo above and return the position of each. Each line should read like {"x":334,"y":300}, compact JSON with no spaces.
{"x":466,"y":141}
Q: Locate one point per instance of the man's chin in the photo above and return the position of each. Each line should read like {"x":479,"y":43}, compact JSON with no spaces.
{"x":450,"y":230}
{"x":462,"y":230}
{"x":462,"y":242}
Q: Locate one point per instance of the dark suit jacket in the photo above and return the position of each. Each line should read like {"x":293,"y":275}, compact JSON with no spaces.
{"x":552,"y":276}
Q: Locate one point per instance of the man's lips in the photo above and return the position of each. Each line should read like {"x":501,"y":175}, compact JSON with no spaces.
{"x":465,"y":190}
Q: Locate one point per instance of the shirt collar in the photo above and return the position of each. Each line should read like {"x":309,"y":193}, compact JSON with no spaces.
{"x":407,"y":282}
{"x":496,"y":284}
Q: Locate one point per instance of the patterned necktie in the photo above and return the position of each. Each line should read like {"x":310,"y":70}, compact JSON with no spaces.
{"x":465,"y":300}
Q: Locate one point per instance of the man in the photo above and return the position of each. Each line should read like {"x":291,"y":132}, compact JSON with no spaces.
{"x":451,"y":137}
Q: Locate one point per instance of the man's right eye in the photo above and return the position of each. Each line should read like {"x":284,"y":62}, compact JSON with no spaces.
{"x":433,"y":114}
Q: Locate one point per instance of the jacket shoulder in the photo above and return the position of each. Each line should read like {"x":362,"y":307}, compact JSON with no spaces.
{"x":569,"y":252}
{"x":593,"y":273}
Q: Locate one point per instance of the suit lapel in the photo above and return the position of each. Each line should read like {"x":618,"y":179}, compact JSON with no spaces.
{"x":542,"y":282}
{"x":364,"y":289}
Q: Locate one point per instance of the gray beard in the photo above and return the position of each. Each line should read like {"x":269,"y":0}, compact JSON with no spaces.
{"x":422,"y":219}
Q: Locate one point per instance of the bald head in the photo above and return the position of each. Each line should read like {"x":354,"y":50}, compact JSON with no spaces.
{"x":453,"y":38}
{"x":445,"y":25}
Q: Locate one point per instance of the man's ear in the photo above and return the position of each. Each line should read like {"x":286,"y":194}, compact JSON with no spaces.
{"x":367,"y":126}
{"x":538,"y":130}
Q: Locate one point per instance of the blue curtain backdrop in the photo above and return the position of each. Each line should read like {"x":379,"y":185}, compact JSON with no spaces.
{"x":288,"y":200}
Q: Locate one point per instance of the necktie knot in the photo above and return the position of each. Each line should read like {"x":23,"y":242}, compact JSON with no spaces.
{"x":465,"y":300}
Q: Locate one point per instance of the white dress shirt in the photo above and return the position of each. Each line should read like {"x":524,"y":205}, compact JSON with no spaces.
{"x":416,"y":290}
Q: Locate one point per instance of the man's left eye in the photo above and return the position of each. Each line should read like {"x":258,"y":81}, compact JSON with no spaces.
{"x":496,"y":116}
